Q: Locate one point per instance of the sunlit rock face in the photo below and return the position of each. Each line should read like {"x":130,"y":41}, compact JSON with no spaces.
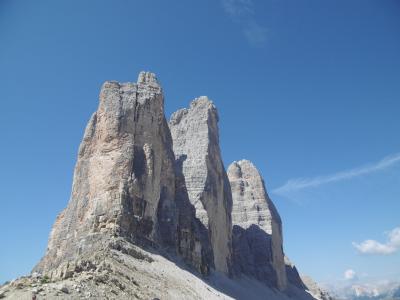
{"x":124,"y":175}
{"x":196,"y":143}
{"x":257,"y":227}
{"x":127,"y":183}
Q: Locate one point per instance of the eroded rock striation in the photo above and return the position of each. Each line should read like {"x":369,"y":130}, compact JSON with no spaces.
{"x":196,"y":146}
{"x":152,"y":210}
{"x":257,"y":236}
{"x":257,"y":227}
{"x":194,"y":244}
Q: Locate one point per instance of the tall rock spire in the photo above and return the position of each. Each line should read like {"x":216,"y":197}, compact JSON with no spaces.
{"x":144,"y":188}
{"x":123,"y":176}
{"x":257,"y":227}
{"x":196,"y":144}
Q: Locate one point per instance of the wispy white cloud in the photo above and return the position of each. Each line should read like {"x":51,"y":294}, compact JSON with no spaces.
{"x":374,"y":247}
{"x":255,"y":34}
{"x":238,"y":8}
{"x":391,"y":246}
{"x":243,"y":12}
{"x":350,"y":274}
{"x":297,"y":184}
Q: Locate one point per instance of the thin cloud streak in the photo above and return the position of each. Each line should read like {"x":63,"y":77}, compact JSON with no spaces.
{"x":297,"y":184}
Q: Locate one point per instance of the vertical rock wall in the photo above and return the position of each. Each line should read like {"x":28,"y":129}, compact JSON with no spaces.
{"x":257,"y":227}
{"x":123,"y":176}
{"x":196,"y":143}
{"x":194,"y":244}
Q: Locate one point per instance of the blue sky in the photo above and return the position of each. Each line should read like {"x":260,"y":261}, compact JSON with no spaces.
{"x":307,"y":90}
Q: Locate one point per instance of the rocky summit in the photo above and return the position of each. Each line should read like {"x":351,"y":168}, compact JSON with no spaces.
{"x":154,"y":215}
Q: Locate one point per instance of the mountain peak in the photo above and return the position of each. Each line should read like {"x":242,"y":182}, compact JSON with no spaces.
{"x":147,"y":78}
{"x":154,"y":214}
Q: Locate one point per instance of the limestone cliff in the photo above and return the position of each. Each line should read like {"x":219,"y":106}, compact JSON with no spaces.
{"x":293,"y":276}
{"x":153,"y":213}
{"x":196,"y":145}
{"x":124,"y":174}
{"x":257,"y":236}
{"x":257,"y":227}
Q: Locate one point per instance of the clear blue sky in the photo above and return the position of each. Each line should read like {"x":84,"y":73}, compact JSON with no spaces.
{"x":304,"y":89}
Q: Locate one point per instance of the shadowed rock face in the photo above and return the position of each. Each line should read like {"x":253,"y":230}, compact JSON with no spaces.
{"x":123,"y":177}
{"x":195,"y":136}
{"x":293,"y":275}
{"x":257,"y":227}
{"x":194,"y":245}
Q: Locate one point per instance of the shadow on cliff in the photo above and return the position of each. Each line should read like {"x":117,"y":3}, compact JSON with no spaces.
{"x":252,"y":252}
{"x":191,"y":232}
{"x":253,"y":276}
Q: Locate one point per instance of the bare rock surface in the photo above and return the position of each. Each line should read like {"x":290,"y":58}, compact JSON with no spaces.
{"x":194,"y":244}
{"x":196,"y":146}
{"x":121,"y":270}
{"x":313,"y":288}
{"x":293,"y":275}
{"x":123,"y":175}
{"x":124,"y":182}
{"x":257,"y":227}
{"x":150,"y":214}
{"x":257,"y":236}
